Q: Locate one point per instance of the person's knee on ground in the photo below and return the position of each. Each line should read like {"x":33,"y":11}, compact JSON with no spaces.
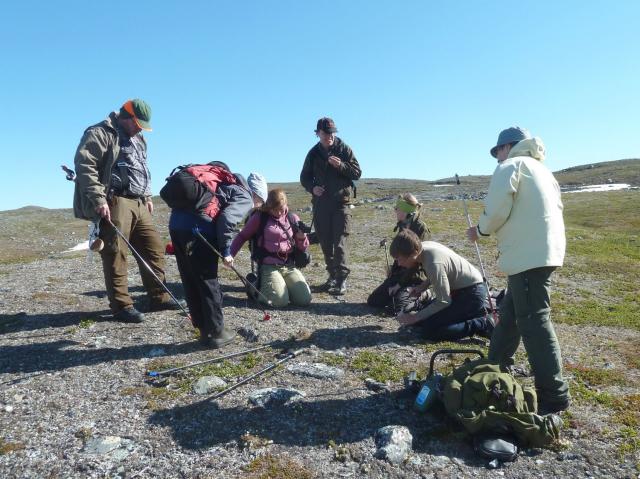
{"x":273,"y":287}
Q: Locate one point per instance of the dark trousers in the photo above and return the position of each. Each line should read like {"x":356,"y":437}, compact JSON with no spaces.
{"x":401,"y":301}
{"x":332,"y":223}
{"x":133,"y":219}
{"x":525,"y":313}
{"x":198,"y":268}
{"x":464,"y":317}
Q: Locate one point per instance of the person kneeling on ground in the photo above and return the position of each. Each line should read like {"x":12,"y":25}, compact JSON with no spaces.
{"x":198,"y":265}
{"x":458,"y":306}
{"x":274,"y":234}
{"x":394,"y":291}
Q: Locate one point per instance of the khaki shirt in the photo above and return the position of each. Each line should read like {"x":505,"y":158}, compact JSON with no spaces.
{"x":446,"y":272}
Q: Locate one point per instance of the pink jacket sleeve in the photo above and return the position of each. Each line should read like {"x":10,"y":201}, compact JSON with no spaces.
{"x":249,"y":230}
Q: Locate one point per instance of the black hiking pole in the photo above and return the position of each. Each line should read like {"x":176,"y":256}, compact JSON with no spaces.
{"x":475,"y":243}
{"x":155,"y":374}
{"x":289,"y":355}
{"x":383,"y":244}
{"x":149,"y":268}
{"x":247,"y":284}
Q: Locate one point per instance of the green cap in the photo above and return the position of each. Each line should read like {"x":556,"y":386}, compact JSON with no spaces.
{"x":140,"y":111}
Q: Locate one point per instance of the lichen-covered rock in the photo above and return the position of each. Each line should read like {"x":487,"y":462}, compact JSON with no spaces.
{"x":274,"y":396}
{"x":316,"y":370}
{"x":394,"y":443}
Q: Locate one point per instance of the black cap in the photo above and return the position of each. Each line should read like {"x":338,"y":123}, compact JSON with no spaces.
{"x":327,"y":125}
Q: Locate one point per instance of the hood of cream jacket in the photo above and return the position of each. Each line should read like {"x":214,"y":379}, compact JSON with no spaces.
{"x":523,"y":208}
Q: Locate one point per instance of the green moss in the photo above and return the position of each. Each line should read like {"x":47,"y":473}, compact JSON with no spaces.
{"x":333,"y":359}
{"x":228,"y":369}
{"x":7,"y":447}
{"x":86,"y":323}
{"x":381,"y":367}
{"x":269,"y":466}
{"x":596,"y":376}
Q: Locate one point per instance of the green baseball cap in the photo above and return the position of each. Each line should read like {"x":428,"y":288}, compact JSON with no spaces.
{"x":140,"y":111}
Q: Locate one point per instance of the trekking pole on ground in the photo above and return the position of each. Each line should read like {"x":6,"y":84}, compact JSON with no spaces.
{"x":289,"y":355}
{"x":475,"y":243}
{"x":383,"y":244}
{"x":153,"y":273}
{"x":155,"y":374}
{"x":196,"y":232}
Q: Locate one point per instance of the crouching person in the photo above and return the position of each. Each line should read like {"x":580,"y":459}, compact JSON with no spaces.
{"x":393,"y":293}
{"x":457,"y":305}
{"x":274,"y":234}
{"x":198,"y":265}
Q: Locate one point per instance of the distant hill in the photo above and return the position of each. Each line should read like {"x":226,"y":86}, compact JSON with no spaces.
{"x":620,"y":171}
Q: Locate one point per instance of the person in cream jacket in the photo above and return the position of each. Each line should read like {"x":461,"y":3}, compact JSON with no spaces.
{"x":523,"y":209}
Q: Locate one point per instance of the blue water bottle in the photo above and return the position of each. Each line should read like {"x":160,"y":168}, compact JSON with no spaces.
{"x":428,"y":393}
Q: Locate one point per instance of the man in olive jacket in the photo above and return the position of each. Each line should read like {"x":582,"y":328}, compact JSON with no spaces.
{"x":113,"y":185}
{"x":329,"y":171}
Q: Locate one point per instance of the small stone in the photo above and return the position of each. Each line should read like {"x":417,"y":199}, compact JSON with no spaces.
{"x":493,"y":464}
{"x":568,"y":456}
{"x":248,"y":334}
{"x":269,"y":396}
{"x":8,"y":408}
{"x":394,"y":443}
{"x":376,"y":385}
{"x":208,"y":384}
{"x":102,"y":445}
{"x":316,"y":370}
{"x":539,"y":461}
{"x":439,"y":462}
{"x":457,"y":461}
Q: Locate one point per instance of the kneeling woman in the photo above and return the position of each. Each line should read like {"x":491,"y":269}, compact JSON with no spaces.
{"x":274,"y":235}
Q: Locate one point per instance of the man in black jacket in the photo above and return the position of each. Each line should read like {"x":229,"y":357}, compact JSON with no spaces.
{"x":329,"y":171}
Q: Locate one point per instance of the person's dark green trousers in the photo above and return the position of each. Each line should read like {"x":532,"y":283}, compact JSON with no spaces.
{"x":525,"y":314}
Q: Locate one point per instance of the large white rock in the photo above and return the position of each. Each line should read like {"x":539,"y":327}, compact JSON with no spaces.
{"x":394,"y":443}
{"x":208,"y":384}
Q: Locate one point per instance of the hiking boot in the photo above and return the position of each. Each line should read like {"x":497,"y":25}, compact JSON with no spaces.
{"x":340,"y":287}
{"x":328,"y":285}
{"x":488,"y":329}
{"x":167,"y":305}
{"x":225,"y":337}
{"x":553,"y":407}
{"x":129,"y":315}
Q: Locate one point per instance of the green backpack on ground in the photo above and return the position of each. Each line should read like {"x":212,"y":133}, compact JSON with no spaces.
{"x":487,"y":399}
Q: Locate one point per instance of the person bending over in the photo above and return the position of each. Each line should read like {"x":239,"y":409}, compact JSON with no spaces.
{"x":457,"y":305}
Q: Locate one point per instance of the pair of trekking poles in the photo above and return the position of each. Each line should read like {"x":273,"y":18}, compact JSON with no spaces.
{"x":199,"y":235}
{"x":284,"y":357}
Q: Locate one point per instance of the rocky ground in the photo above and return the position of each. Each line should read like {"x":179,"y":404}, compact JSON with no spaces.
{"x":75,"y":399}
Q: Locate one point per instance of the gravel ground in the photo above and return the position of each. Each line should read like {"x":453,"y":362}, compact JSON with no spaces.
{"x":75,"y":400}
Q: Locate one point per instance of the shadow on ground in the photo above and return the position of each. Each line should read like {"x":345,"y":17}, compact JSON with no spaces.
{"x":205,"y":424}
{"x":63,"y":354}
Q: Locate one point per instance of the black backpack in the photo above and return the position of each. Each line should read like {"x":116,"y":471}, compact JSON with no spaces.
{"x":185,"y":191}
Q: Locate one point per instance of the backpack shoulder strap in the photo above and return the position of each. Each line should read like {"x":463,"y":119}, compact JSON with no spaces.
{"x":258,"y":252}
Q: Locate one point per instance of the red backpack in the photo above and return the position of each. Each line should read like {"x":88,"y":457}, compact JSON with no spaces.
{"x":193,"y":187}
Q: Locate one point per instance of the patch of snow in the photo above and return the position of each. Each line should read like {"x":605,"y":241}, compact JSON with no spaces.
{"x":444,"y":184}
{"x":79,"y":247}
{"x":607,"y":187}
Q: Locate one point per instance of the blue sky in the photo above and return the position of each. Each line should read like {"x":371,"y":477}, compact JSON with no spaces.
{"x":418,"y":89}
